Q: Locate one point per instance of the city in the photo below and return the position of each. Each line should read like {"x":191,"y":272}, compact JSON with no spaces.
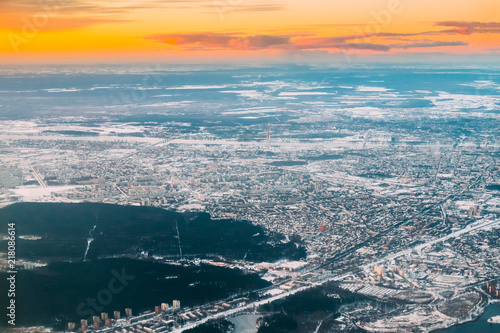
{"x":390,"y":209}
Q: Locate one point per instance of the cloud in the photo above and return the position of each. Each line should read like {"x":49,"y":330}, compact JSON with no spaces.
{"x":217,"y":41}
{"x":457,"y":27}
{"x":89,"y":12}
{"x":59,"y":23}
{"x":57,"y":15}
{"x":427,"y":44}
{"x":337,"y":42}
{"x":218,"y":7}
{"x":290,"y":43}
{"x":467,"y":28}
{"x":210,"y":40}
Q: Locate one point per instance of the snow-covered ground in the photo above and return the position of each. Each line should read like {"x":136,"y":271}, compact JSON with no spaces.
{"x":494,"y":320}
{"x":37,"y":193}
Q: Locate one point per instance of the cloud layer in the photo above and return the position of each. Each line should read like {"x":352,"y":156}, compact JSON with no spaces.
{"x":299,"y":42}
{"x":219,"y":41}
{"x":71,"y":14}
{"x":467,"y":28}
{"x":222,"y":41}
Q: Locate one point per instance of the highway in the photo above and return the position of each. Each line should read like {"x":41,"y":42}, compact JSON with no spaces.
{"x":38,"y":177}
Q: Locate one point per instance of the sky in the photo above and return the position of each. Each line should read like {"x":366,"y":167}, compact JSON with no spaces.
{"x":247,"y":30}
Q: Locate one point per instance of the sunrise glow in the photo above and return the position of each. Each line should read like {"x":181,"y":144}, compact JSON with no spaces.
{"x":82,"y":30}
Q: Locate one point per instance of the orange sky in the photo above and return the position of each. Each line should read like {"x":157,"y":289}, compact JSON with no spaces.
{"x":84,"y":30}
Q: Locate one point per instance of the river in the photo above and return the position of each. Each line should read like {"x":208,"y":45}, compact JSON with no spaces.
{"x":481,"y":325}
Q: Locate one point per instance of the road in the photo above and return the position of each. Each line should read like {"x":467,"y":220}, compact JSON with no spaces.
{"x":474,"y":227}
{"x":38,"y":177}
